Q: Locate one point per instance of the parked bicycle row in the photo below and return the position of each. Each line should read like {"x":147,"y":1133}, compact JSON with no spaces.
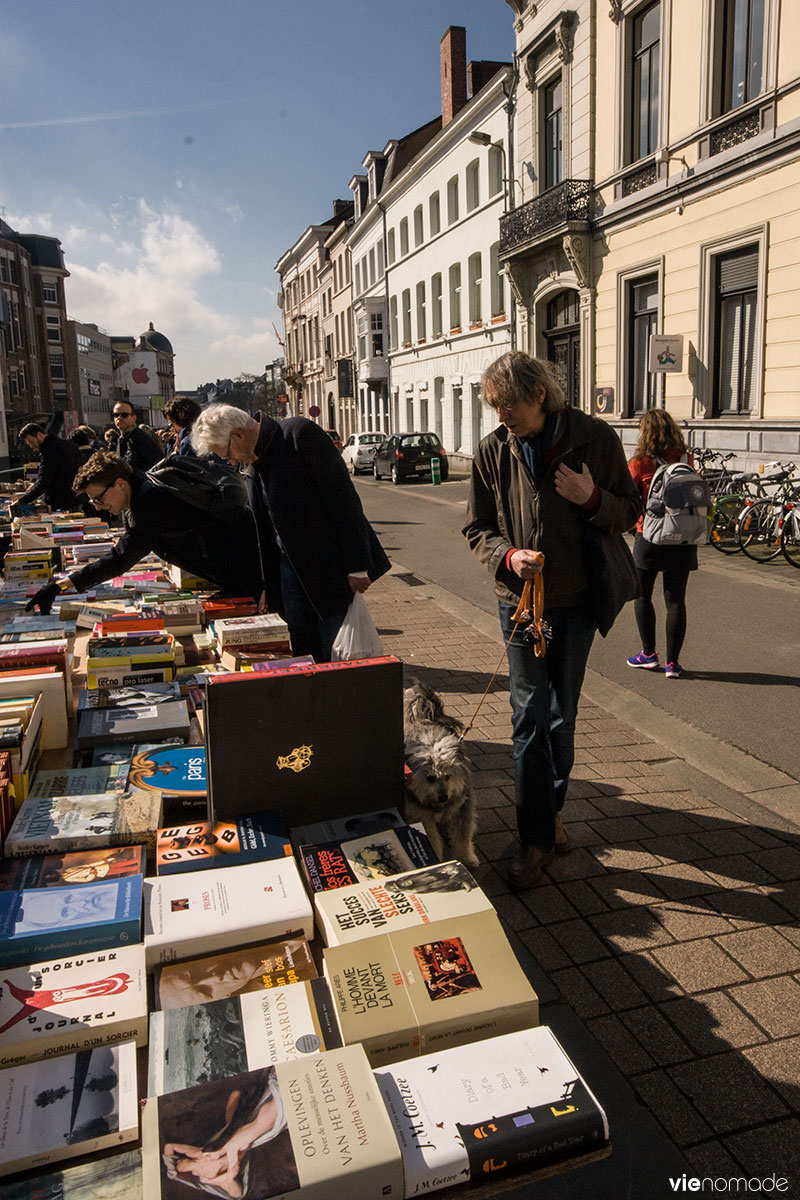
{"x":752,"y":512}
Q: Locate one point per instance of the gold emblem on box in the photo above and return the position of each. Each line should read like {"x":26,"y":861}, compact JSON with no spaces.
{"x":298,"y":760}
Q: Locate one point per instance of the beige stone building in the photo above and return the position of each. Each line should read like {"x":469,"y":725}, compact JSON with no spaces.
{"x":658,"y":150}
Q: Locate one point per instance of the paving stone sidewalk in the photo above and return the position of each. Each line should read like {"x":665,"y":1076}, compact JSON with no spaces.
{"x":671,"y":931}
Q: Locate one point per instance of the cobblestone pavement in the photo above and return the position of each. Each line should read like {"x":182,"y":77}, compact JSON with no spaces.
{"x":671,"y":930}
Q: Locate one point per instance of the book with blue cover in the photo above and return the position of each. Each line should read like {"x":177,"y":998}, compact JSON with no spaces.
{"x":42,"y":923}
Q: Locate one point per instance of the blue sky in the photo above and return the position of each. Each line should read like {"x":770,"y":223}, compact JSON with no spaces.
{"x":178,"y":148}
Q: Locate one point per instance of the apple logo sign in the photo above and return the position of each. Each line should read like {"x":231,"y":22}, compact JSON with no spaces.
{"x":140,"y":375}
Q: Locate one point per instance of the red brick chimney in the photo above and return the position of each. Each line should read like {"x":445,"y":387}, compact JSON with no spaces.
{"x":453,"y":47}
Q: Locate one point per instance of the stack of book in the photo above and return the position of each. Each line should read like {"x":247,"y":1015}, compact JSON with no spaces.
{"x":123,"y":659}
{"x":266,"y":633}
{"x":30,"y":566}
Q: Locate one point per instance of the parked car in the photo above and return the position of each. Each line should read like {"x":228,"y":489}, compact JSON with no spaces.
{"x":333,"y":434}
{"x":403,"y":455}
{"x":359,"y":450}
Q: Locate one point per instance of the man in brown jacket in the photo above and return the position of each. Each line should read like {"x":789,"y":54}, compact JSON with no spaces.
{"x":546,"y":485}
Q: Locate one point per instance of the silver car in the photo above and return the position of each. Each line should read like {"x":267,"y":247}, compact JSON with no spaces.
{"x":359,"y":450}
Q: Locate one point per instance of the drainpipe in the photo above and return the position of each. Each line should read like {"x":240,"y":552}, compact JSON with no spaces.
{"x":387,"y":329}
{"x":510,"y":106}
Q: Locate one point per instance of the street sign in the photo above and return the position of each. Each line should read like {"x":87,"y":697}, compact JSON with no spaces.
{"x":314,"y":411}
{"x":604,"y":400}
{"x":666,"y":353}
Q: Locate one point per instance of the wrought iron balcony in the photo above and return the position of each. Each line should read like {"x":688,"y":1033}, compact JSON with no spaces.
{"x":562,"y":207}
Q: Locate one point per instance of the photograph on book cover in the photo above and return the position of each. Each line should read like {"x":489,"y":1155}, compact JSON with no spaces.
{"x":234,"y":972}
{"x":226,"y":1138}
{"x":446,"y":968}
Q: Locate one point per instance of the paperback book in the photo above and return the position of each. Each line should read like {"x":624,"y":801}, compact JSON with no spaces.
{"x":109,"y":725}
{"x":56,"y":824}
{"x":80,"y":866}
{"x":234,"y":972}
{"x":373,"y":856}
{"x":201,"y":912}
{"x":129,"y":697}
{"x":70,"y":1105}
{"x":169,"y":767}
{"x":315,"y":1128}
{"x":340,"y":829}
{"x":78,"y":781}
{"x":115,"y":1177}
{"x":416,"y":897}
{"x":411,"y":991}
{"x":228,"y":1037}
{"x":508,"y":1103}
{"x":40,"y":923}
{"x":208,"y":844}
{"x":68,"y":1004}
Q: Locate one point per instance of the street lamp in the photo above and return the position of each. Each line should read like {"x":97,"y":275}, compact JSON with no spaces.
{"x":480,"y":138}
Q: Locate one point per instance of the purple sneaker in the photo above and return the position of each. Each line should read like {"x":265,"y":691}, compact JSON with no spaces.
{"x":673,"y":670}
{"x":648,"y":661}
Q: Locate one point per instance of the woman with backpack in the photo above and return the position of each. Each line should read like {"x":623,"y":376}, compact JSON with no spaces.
{"x":660,"y":441}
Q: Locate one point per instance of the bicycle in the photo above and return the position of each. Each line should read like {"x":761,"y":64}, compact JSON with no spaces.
{"x":760,"y":523}
{"x":729,"y":492}
{"x":790,"y":535}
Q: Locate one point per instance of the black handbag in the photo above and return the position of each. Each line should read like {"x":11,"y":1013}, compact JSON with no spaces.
{"x":611,"y":572}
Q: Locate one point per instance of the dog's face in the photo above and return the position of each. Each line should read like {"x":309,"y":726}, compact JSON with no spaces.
{"x":439,"y":773}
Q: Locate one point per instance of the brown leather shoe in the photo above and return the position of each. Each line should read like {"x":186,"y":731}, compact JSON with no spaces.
{"x":564,"y":842}
{"x":526,"y":866}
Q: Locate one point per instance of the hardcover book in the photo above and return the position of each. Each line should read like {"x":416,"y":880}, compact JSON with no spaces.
{"x":315,"y":1128}
{"x":111,"y":677}
{"x":277,"y":734}
{"x":116,"y":1177}
{"x":81,"y":866}
{"x":411,"y":898}
{"x":109,"y":725}
{"x":339,"y":829}
{"x":373,"y":856}
{"x":234,"y":972}
{"x":414,"y":990}
{"x":78,"y":781}
{"x":208,"y":844}
{"x":199,"y":913}
{"x":129,"y":697}
{"x":169,"y":767}
{"x":228,"y":1037}
{"x":55,"y":824}
{"x":508,"y":1103}
{"x":70,"y":1105}
{"x":40,"y":923}
{"x":69,"y":1004}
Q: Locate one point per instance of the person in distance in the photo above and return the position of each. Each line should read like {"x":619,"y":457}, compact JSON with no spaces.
{"x":225,"y":552}
{"x":61,"y":461}
{"x":139,"y":448}
{"x":182,"y":412}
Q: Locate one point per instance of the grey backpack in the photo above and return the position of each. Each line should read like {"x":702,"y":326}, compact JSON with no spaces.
{"x":677,"y":507}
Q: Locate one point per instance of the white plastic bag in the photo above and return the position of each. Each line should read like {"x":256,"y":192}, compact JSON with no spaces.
{"x":357,"y":636}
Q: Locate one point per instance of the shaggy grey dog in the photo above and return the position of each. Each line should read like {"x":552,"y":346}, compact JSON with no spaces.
{"x":440,"y":792}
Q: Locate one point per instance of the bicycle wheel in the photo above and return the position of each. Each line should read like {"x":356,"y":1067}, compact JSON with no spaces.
{"x":790,"y":537}
{"x":722,"y":531}
{"x":759,"y":530}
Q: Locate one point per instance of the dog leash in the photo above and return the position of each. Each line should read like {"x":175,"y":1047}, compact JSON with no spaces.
{"x":530,"y":610}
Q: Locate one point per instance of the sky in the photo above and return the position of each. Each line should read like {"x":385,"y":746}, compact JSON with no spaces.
{"x":178,"y":148}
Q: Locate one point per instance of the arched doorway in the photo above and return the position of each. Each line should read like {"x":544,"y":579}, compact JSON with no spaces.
{"x":563,"y":340}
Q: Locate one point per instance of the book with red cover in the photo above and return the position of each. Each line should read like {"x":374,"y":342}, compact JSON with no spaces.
{"x":310,"y":740}
{"x":233,"y":606}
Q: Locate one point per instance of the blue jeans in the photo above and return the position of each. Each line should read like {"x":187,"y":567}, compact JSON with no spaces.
{"x":544,"y":705}
{"x":310,"y":633}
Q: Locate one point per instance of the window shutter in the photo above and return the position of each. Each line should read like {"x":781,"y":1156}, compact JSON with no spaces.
{"x":738,"y":272}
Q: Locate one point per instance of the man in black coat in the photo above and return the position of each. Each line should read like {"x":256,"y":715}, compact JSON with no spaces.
{"x":317,"y":547}
{"x":135,"y":445}
{"x":225,"y":552}
{"x":61,"y":461}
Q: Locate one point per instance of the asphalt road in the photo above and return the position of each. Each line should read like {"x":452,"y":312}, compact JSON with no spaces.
{"x":742,"y":650}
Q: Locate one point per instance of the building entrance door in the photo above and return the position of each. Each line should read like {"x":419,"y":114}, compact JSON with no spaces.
{"x":563,"y":341}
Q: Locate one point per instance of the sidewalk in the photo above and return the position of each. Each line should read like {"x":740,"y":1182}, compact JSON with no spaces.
{"x":665,"y":948}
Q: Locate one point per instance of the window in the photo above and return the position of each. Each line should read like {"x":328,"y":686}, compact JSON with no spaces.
{"x":54,"y":329}
{"x":736,"y":287}
{"x":498,"y":281}
{"x":56,"y":366}
{"x":455,"y":297}
{"x":393,"y":338}
{"x":4,"y":272}
{"x":372,"y":266}
{"x":418,"y":231}
{"x":475,"y":270}
{"x":552,"y":133}
{"x":436,"y":305}
{"x":645,"y":80}
{"x":642,"y":319}
{"x":390,"y":250}
{"x":13,"y":383}
{"x":380,"y":260}
{"x":496,"y":172}
{"x":452,"y":200}
{"x":404,"y":236}
{"x":742,"y":46}
{"x":421,"y":332}
{"x":358,"y":278}
{"x":50,"y":293}
{"x":376,"y":328}
{"x":434,"y":214}
{"x":473,"y":185}
{"x":406,"y":306}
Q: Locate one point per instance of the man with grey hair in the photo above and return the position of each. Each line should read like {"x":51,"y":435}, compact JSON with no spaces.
{"x":317,"y":547}
{"x":550,"y":489}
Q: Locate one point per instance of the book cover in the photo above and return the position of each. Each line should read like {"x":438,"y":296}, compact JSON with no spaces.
{"x":277,"y":734}
{"x":234,"y":972}
{"x":198,"y":913}
{"x":315,"y":1128}
{"x":411,"y":898}
{"x":508,"y":1103}
{"x":55,"y":824}
{"x":110,"y":677}
{"x":207,"y":844}
{"x":78,"y":781}
{"x":40,"y":923}
{"x":411,"y":991}
{"x":229,"y":1037}
{"x":109,"y":725}
{"x":80,"y":866}
{"x":114,"y":1177}
{"x":68,"y":1004}
{"x":129,"y":697}
{"x":66,"y":1106}
{"x":179,"y":770}
{"x":337,"y":829}
{"x":371,"y":856}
